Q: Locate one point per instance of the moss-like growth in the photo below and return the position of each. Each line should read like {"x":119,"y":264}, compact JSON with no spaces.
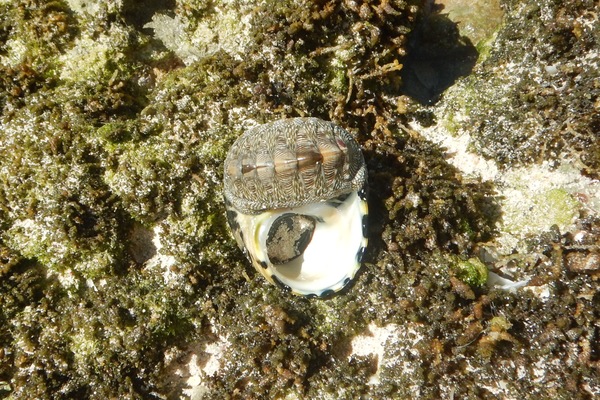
{"x":119,"y":278}
{"x":516,"y":104}
{"x":472,"y":271}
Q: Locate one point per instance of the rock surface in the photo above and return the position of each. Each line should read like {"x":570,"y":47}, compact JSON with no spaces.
{"x":481,"y":132}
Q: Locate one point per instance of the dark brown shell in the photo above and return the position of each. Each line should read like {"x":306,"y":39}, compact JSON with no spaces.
{"x":292,"y":162}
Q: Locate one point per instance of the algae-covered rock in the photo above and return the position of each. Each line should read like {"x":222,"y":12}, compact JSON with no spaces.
{"x":120,"y":279}
{"x":534,"y":97}
{"x":472,"y":271}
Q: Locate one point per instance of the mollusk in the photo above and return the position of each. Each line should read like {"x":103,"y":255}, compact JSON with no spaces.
{"x":295,"y":193}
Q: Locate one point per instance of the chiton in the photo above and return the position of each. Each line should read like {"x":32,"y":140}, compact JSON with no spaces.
{"x":295,"y":193}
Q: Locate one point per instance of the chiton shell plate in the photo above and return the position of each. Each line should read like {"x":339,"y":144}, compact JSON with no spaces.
{"x":295,"y":192}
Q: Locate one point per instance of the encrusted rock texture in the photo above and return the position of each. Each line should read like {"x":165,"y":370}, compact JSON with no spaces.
{"x":480,"y":126}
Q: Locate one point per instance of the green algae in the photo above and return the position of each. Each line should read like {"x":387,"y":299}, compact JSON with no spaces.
{"x":545,"y":209}
{"x":472,"y":271}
